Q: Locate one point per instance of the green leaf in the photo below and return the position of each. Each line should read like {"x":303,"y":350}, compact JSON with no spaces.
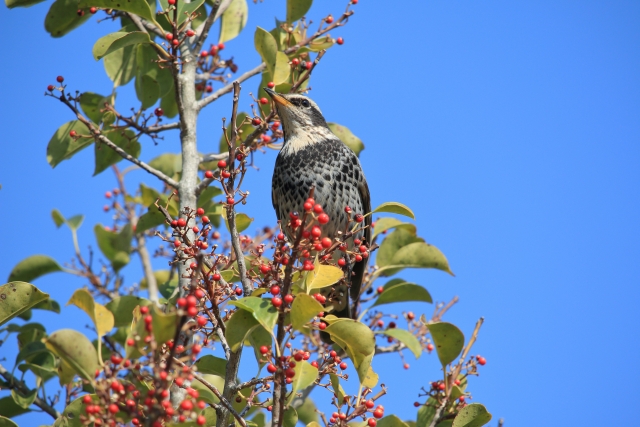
{"x":296,"y":9}
{"x":17,"y":297}
{"x":307,"y":412}
{"x":33,"y":267}
{"x":91,"y":104}
{"x":6,"y":422}
{"x":150,"y":219}
{"x":391,"y":421}
{"x":474,"y":415}
{"x":43,"y":365}
{"x":21,"y":3}
{"x":337,"y":388}
{"x":186,"y":9}
{"x":303,"y":309}
{"x":427,"y":412}
{"x":48,"y":305}
{"x":384,"y":224}
{"x":320,"y":43}
{"x":9,"y":408}
{"x":147,"y":90}
{"x":24,"y":400}
{"x":57,"y":217}
{"x":267,"y":47}
{"x":115,"y":246}
{"x":137,"y":7}
{"x":258,"y":337}
{"x":290,"y":417}
{"x":168,"y":103}
{"x":242,"y":222}
{"x":304,"y":377}
{"x":405,"y":337}
{"x":62,"y":146}
{"x":147,"y":65}
{"x":261,"y":309}
{"x":74,"y":222}
{"x":170,"y":164}
{"x":349,"y":139}
{"x":122,"y":309}
{"x":401,"y":292}
{"x":63,"y":17}
{"x":357,"y":340}
{"x":233,"y":20}
{"x":118,"y":40}
{"x":121,"y":65}
{"x":392,"y":244}
{"x":282,"y":69}
{"x":29,"y":333}
{"x":448,"y":340}
{"x":417,"y":255}
{"x":239,"y":326}
{"x":102,"y":318}
{"x":30,"y":351}
{"x":396,"y":208}
{"x":323,"y":276}
{"x":212,"y":365}
{"x":164,"y":329}
{"x":76,"y":350}
{"x":106,"y":157}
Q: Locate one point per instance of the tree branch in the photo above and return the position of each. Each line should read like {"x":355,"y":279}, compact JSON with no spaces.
{"x":228,"y":88}
{"x":98,"y":136}
{"x":21,"y":387}
{"x":219,"y":7}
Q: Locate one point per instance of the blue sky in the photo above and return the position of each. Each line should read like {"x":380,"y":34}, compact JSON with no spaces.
{"x":511,"y":129}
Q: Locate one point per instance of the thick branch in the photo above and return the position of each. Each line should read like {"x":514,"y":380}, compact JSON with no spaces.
{"x":98,"y":136}
{"x":22,"y":388}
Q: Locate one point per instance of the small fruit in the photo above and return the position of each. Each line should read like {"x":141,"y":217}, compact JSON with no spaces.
{"x":264,"y":349}
{"x":50,"y":88}
{"x":288,"y":298}
{"x":271,"y":85}
{"x":429,"y":347}
{"x":182,"y":222}
{"x":73,"y":134}
{"x":378,"y":413}
{"x":204,"y":54}
{"x":158,"y":112}
{"x":169,"y":36}
{"x":271,"y":368}
{"x":93,"y":10}
{"x":340,"y":40}
{"x":323,"y":218}
{"x":264,"y":101}
{"x":191,"y":33}
{"x":256,"y":121}
{"x":369,"y":404}
{"x":329,"y":19}
{"x":59,"y":79}
{"x":201,"y":320}
{"x":277,"y":302}
{"x":220,"y":46}
{"x":238,"y":291}
{"x":371,"y":422}
{"x":205,"y":219}
{"x":222,"y":164}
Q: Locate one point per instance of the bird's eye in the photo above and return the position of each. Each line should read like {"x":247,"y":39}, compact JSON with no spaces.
{"x":305,"y":103}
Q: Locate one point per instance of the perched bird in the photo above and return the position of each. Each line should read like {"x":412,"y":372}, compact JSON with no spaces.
{"x":313,"y":157}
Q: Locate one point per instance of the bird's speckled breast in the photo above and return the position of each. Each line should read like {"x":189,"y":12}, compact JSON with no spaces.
{"x":335,"y":172}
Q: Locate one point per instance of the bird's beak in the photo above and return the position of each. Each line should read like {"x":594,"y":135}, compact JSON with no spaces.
{"x":279,"y":99}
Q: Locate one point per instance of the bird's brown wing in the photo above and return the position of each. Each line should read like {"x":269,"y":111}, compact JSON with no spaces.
{"x":360,"y":267}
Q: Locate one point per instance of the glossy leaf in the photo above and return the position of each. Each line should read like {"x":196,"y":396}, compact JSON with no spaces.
{"x":63,"y":17}
{"x":102,"y":318}
{"x":396,"y":208}
{"x":62,"y":147}
{"x":115,"y":246}
{"x":345,"y":135}
{"x":304,"y":377}
{"x":392,"y":244}
{"x":33,"y":267}
{"x":105,"y":156}
{"x":357,"y":340}
{"x":474,"y":415}
{"x":242,"y":222}
{"x":405,"y":337}
{"x":401,"y":292}
{"x":418,"y":255}
{"x":267,"y":47}
{"x":233,"y":20}
{"x":282,"y":69}
{"x":75,"y":349}
{"x":303,"y":309}
{"x":323,"y":276}
{"x":122,"y":309}
{"x":137,"y":7}
{"x":120,"y":65}
{"x":17,"y":297}
{"x":21,"y":3}
{"x":238,"y":327}
{"x":212,"y":365}
{"x":261,"y":309}
{"x":337,"y":388}
{"x":118,"y":40}
{"x":448,"y":340}
{"x":384,"y":224}
{"x":91,"y":104}
{"x":391,"y":421}
{"x":296,"y":9}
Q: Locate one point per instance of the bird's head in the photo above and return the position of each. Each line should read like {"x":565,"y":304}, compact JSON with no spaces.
{"x":299,"y":114}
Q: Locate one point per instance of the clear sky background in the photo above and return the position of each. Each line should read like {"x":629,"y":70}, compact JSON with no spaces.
{"x":511,"y":129}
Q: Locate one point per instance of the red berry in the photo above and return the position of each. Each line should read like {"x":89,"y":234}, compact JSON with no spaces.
{"x":441,"y":386}
{"x":208,"y":89}
{"x":50,"y":88}
{"x":380,"y":289}
{"x":59,"y":79}
{"x":225,"y":174}
{"x":329,"y":19}
{"x":256,"y":121}
{"x":169,"y":36}
{"x":340,"y":40}
{"x":410,"y":315}
{"x":93,"y":9}
{"x":265,"y":138}
{"x":264,"y":101}
{"x":238,"y":291}
{"x":318,"y":209}
{"x":342,"y":262}
{"x":482,"y":360}
{"x":280,"y":236}
{"x":288,"y":298}
{"x":343,"y":365}
{"x":316,"y":231}
{"x":326,"y":242}
{"x":182,"y":222}
{"x":73,"y":134}
{"x":372,"y":422}
{"x":323,"y":218}
{"x":186,"y":405}
{"x":113,"y":408}
{"x":116,"y":359}
{"x":322,"y":326}
{"x":192,"y":311}
{"x":230,"y":201}
{"x":204,"y":53}
{"x":216,"y":277}
{"x":358,"y":258}
{"x":380,"y":323}
{"x":359,"y":218}
{"x":271,"y":85}
{"x":201,"y":320}
{"x":277,"y":302}
{"x":158,"y":112}
{"x":176,"y":243}
{"x":264,"y":349}
{"x":86,"y":399}
{"x":295,"y":62}
{"x":175,"y":42}
{"x":213,"y":51}
{"x":130,"y":342}
{"x":171,"y":2}
{"x":264,"y":268}
{"x":196,"y":348}
{"x":378,"y":413}
{"x":271,"y":368}
{"x":201,"y":420}
{"x":369,"y":404}
{"x":208,"y":174}
{"x":222,"y":164}
{"x":191,"y":33}
{"x":205,"y":219}
{"x":406,"y":366}
{"x":181,"y":302}
{"x":429,"y":347}
{"x":354,"y":1}
{"x":307,"y":207}
{"x":220,"y":46}
{"x":275,"y":290}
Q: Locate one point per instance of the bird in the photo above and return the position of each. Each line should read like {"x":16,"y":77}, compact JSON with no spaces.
{"x":312,"y":156}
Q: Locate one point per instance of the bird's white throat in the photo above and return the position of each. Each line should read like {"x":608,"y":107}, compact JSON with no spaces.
{"x":304,"y":137}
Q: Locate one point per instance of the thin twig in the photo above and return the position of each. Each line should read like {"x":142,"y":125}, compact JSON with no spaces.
{"x":228,"y":88}
{"x":306,"y":75}
{"x":22,"y":388}
{"x":219,"y":7}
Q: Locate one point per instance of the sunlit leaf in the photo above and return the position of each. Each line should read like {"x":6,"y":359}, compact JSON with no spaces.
{"x":21,"y":3}
{"x":391,"y":244}
{"x":304,"y":377}
{"x":102,"y":318}
{"x":282,"y":69}
{"x":358,"y":341}
{"x":405,"y":337}
{"x":448,"y":340}
{"x":137,"y":7}
{"x":63,"y":17}
{"x":474,"y":415}
{"x":115,"y":246}
{"x":6,"y":422}
{"x":391,"y":421}
{"x":242,"y":222}
{"x":398,"y":290}
{"x":267,"y":47}
{"x":150,"y":219}
{"x":24,"y":400}
{"x":323,"y":276}
{"x":62,"y":147}
{"x":118,"y":40}
{"x":164,"y":327}
{"x":120,"y":66}
{"x":345,"y":135}
{"x":212,"y":365}
{"x":91,"y":104}
{"x":105,"y":156}
{"x":396,"y":208}
{"x":303,"y":309}
{"x":17,"y":297}
{"x":238,"y":327}
{"x":296,"y":9}
{"x":337,"y":388}
{"x":233,"y":20}
{"x":290,"y":417}
{"x":384,"y":224}
{"x":261,"y":309}
{"x":33,"y":267}
{"x":76,"y":350}
{"x":417,"y":255}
